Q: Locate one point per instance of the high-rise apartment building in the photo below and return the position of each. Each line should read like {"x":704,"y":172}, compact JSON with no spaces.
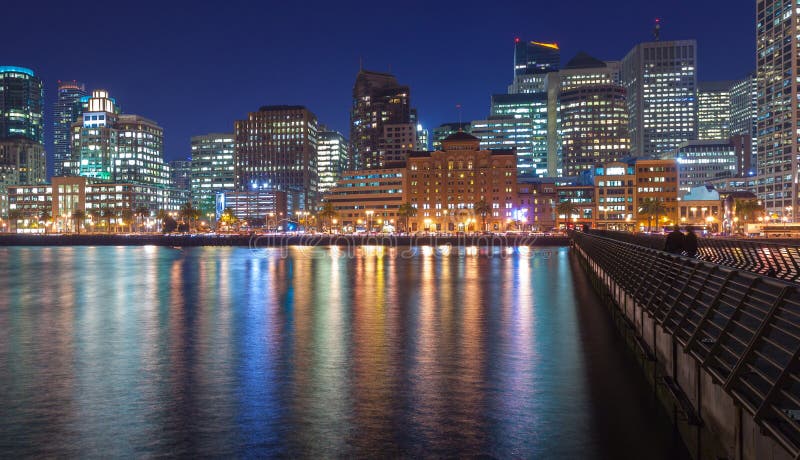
{"x":378,"y":100}
{"x":660,"y":79}
{"x":777,"y":47}
{"x":212,"y":168}
{"x":22,"y":161}
{"x":333,"y":158}
{"x":276,"y":149}
{"x":21,"y":103}
{"x":714,"y":110}
{"x":744,"y":109}
{"x":67,"y":110}
{"x":593,"y":115}
{"x":700,"y":162}
{"x":110,"y":146}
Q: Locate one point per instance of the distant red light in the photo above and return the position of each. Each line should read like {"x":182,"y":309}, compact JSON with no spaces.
{"x":658,"y":20}
{"x":516,"y":40}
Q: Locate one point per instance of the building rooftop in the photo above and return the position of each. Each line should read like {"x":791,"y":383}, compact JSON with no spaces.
{"x":461,"y":136}
{"x":583,"y":60}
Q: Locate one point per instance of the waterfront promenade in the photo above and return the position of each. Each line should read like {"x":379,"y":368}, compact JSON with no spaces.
{"x":280,"y":240}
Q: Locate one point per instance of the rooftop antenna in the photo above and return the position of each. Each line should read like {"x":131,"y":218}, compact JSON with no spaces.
{"x":657,"y":29}
{"x":460,"y":125}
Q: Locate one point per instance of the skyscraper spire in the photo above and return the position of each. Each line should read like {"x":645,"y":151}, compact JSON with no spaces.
{"x":657,"y":29}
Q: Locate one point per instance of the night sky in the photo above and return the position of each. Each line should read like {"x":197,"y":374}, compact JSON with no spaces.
{"x":195,"y":67}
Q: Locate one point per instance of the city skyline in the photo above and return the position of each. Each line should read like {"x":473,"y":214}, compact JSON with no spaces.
{"x":172,"y":90}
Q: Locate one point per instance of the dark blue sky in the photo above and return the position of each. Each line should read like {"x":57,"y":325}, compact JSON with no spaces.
{"x":195,"y":67}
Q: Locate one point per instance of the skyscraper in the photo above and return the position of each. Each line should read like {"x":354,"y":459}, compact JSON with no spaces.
{"x":744,"y":109}
{"x":378,"y":100}
{"x":333,"y":158}
{"x":519,"y":121}
{"x":660,"y":79}
{"x":21,"y":103}
{"x":714,"y":110}
{"x":180,"y":173}
{"x":212,"y":168}
{"x":593,"y":114}
{"x":777,"y":47}
{"x":532,"y":61}
{"x":276,"y":149}
{"x":66,"y":111}
{"x":110,"y":146}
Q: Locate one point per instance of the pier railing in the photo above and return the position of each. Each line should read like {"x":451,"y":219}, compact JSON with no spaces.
{"x":743,"y":328}
{"x":779,"y":260}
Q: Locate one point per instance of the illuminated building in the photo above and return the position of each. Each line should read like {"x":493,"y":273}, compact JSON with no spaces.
{"x":537,"y":201}
{"x":519,"y":121}
{"x":444,"y":186}
{"x":777,"y":47}
{"x":702,"y":161}
{"x":444,"y":130}
{"x":593,"y":113}
{"x":744,"y":108}
{"x":422,"y":138}
{"x":615,"y":192}
{"x":397,"y":140}
{"x":333,"y":158}
{"x":378,"y":100}
{"x":657,"y":180}
{"x":700,"y":208}
{"x":21,"y":104}
{"x":257,"y":207}
{"x":532,"y":62}
{"x":580,"y":191}
{"x":660,"y":79}
{"x":714,"y":110}
{"x":22,"y":161}
{"x":66,"y":111}
{"x":212,"y":169}
{"x":180,"y":173}
{"x":110,"y":146}
{"x":368,"y":198}
{"x":276,"y":149}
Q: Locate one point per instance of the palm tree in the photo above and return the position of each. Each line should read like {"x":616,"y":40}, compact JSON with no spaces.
{"x":327,"y":213}
{"x":161,"y":216}
{"x":189,"y":213}
{"x":13,"y":217}
{"x":406,"y":211}
{"x":141,"y":213}
{"x":44,"y":216}
{"x":483,"y":209}
{"x":127,"y":218}
{"x":566,"y":208}
{"x":78,"y":217}
{"x":96,"y":217}
{"x":653,"y":209}
{"x":109,"y":214}
{"x":747,"y":210}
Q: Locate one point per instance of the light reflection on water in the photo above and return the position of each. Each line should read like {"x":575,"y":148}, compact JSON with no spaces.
{"x":125,"y":351}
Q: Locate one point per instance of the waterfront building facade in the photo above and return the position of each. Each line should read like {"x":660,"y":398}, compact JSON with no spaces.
{"x":333,"y":158}
{"x":657,"y":180}
{"x":268,"y":208}
{"x":615,"y":192}
{"x":444,"y":186}
{"x":702,"y":161}
{"x":368,"y":199}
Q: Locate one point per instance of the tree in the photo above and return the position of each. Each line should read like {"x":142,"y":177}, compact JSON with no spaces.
{"x":229,"y":218}
{"x":141,"y":213}
{"x":13,"y":218}
{"x":327,"y":213}
{"x":78,"y":216}
{"x":96,"y":216}
{"x":189,"y":213}
{"x":653,"y":209}
{"x":44,"y":216}
{"x":483,"y":209}
{"x":109,"y":214}
{"x":566,"y":208}
{"x":168,"y":224}
{"x":406,"y":211}
{"x":127,"y":218}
